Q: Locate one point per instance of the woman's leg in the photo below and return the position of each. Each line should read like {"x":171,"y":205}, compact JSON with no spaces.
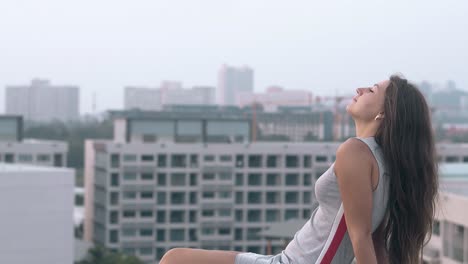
{"x":198,"y":256}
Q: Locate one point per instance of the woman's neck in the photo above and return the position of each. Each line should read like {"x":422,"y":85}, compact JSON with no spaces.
{"x":366,"y":129}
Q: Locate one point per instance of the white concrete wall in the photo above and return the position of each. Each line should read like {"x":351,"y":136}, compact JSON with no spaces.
{"x":36,"y":212}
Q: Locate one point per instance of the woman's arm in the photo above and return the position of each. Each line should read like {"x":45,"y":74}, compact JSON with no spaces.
{"x":353,"y":169}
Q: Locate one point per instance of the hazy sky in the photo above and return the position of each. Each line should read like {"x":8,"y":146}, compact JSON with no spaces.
{"x":103,"y":45}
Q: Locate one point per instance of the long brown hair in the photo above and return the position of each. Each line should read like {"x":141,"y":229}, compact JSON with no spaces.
{"x":407,"y":142}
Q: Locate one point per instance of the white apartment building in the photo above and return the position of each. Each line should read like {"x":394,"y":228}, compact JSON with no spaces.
{"x":15,"y":149}
{"x":42,"y":101}
{"x":36,"y":205}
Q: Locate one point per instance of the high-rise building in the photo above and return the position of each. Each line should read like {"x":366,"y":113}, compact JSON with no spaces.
{"x":37,"y":214}
{"x":15,"y":149}
{"x":170,"y":93}
{"x":232,"y":80}
{"x":42,"y":101}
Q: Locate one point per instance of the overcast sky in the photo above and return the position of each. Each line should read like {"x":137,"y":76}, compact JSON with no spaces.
{"x":103,"y":45}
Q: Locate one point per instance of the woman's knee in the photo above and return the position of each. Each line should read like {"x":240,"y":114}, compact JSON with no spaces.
{"x":173,"y":256}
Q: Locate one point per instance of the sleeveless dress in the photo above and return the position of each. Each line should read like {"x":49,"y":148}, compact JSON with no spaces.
{"x":324,"y":237}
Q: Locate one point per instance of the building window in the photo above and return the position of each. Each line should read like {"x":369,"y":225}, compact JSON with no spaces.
{"x":25,"y":158}
{"x":255,"y":179}
{"x":146,"y":214}
{"x":193,"y":216}
{"x":177,"y":217}
{"x":147,"y":176}
{"x":129,"y":157}
{"x":239,"y":197}
{"x":146,"y":195}
{"x":436,"y":228}
{"x":44,"y":158}
{"x":146,"y":232}
{"x":238,"y":234}
{"x":177,"y":198}
{"x":193,"y":160}
{"x":129,"y":176}
{"x":161,"y":198}
{"x":291,"y":197}
{"x":292,"y":179}
{"x":292,"y":161}
{"x":129,"y":195}
{"x":291,"y":214}
{"x":254,"y":216}
{"x":254,"y":198}
{"x":255,"y":161}
{"x":145,"y":251}
{"x":179,"y":161}
{"x":177,"y":234}
{"x":272,"y":197}
{"x":193,"y":198}
{"x":224,"y":231}
{"x":307,"y":179}
{"x":252,"y":234}
{"x":161,"y":235}
{"x":162,"y":179}
{"x":208,"y":213}
{"x":225,"y":158}
{"x":162,"y":161}
{"x":147,"y":157}
{"x":208,"y":195}
{"x":129,"y":232}
{"x":114,"y":198}
{"x":307,"y":161}
{"x":321,"y":158}
{"x":272,"y":161}
{"x":225,"y":176}
{"x":161,"y":217}
{"x":307,"y":196}
{"x":113,"y":236}
{"x":178,"y":179}
{"x":272,"y":179}
{"x":224,"y":212}
{"x":9,"y":158}
{"x":272,"y":215}
{"x":239,"y":179}
{"x":115,"y":160}
{"x":239,"y":215}
{"x":160,"y":253}
{"x":209,"y":158}
{"x":129,"y":214}
{"x":115,"y":179}
{"x":193,"y":179}
{"x":239,"y":161}
{"x":114,"y":217}
{"x":208,"y":176}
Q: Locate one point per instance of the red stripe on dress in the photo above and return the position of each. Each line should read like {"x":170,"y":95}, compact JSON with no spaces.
{"x":340,"y":232}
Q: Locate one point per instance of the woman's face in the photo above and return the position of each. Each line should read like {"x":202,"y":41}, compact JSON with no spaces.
{"x":368,"y":102}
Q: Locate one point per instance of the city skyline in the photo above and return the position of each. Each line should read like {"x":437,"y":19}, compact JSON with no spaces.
{"x":325,"y":48}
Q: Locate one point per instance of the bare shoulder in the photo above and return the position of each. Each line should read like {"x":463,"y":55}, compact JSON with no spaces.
{"x":353,"y":154}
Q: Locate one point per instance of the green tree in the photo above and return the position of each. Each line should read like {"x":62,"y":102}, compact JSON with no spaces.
{"x":100,"y":255}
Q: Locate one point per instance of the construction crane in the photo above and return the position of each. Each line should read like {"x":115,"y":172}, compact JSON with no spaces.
{"x":337,"y":117}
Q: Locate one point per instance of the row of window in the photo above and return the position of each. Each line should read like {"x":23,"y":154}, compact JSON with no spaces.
{"x":252,"y":161}
{"x":32,"y":158}
{"x":181,"y":198}
{"x":250,"y":179}
{"x":181,"y":216}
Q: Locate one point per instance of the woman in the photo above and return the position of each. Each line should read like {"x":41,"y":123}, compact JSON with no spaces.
{"x":376,"y":202}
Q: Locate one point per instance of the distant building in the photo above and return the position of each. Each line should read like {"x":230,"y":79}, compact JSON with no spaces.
{"x":15,"y":149}
{"x":232,"y":80}
{"x":41,"y":101}
{"x":275,"y":97}
{"x":449,"y":241}
{"x":169,"y":93}
{"x":37,"y":214}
